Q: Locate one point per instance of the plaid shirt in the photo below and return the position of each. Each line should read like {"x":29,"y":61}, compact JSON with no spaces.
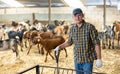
{"x":84,"y":40}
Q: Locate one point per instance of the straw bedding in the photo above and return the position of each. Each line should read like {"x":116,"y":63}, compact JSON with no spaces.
{"x":10,"y":65}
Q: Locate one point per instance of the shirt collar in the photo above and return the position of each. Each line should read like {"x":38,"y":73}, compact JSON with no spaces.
{"x":83,"y":23}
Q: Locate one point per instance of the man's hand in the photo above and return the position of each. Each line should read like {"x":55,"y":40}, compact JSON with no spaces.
{"x":98,"y":63}
{"x":56,"y":50}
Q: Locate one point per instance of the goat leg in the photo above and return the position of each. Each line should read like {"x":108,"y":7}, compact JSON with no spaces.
{"x":118,"y":43}
{"x":112,"y":43}
{"x":29,"y":49}
{"x":46,"y":57}
{"x":4,"y":35}
{"x":38,"y":48}
{"x":109,"y":45}
{"x":103,"y":44}
{"x":51,"y":55}
{"x":15,"y":49}
{"x":66,"y":52}
{"x":26,"y":44}
{"x":21,"y":45}
{"x":42,"y":51}
{"x":17,"y":53}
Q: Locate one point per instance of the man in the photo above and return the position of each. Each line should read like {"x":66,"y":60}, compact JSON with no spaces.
{"x":86,"y":44}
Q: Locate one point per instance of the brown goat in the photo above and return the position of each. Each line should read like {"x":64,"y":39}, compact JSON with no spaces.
{"x":26,"y":37}
{"x":29,"y":35}
{"x":44,"y":35}
{"x":33,"y":34}
{"x":50,"y":44}
{"x":61,"y":30}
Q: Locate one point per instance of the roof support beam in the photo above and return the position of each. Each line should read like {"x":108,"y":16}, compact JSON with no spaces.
{"x":110,"y":2}
{"x":49,"y":13}
{"x":104,"y":15}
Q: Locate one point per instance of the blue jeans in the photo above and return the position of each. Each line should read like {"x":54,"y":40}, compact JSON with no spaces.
{"x":85,"y":68}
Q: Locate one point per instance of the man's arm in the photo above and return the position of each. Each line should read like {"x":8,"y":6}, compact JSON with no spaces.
{"x":65,"y":44}
{"x":98,"y":51}
{"x":96,"y":42}
{"x":62,"y":46}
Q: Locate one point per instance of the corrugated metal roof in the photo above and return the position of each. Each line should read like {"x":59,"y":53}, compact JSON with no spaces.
{"x":61,"y":3}
{"x":37,"y":3}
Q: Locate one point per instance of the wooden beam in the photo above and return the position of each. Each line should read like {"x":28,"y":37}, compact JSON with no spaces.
{"x":104,"y":15}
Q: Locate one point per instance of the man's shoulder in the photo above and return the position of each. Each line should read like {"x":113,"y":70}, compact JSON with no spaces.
{"x":90,"y":25}
{"x":72,"y":25}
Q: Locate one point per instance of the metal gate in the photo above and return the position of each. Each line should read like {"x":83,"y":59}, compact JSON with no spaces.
{"x":55,"y":70}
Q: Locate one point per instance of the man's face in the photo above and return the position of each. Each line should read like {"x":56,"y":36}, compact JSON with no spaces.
{"x":78,"y":18}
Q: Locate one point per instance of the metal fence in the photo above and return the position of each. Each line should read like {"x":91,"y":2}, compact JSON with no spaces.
{"x":55,"y":70}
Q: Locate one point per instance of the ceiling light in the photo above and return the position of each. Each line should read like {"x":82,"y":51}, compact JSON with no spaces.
{"x":13,"y":3}
{"x":118,"y":5}
{"x":74,"y":3}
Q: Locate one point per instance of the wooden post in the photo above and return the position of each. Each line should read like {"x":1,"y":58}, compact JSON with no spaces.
{"x":33,"y":16}
{"x":49,"y":13}
{"x":104,"y":15}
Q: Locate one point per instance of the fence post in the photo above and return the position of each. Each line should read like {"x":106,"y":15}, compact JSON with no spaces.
{"x":37,"y":69}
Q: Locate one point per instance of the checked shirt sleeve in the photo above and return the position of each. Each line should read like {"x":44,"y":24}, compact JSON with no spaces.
{"x":70,"y":41}
{"x":94,"y":35}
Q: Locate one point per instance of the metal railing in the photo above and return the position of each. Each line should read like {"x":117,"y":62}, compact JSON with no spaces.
{"x":40,"y":70}
{"x":56,"y":70}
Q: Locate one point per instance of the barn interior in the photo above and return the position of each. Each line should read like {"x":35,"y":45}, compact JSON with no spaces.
{"x":101,"y":13}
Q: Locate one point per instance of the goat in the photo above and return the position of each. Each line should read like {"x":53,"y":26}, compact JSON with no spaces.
{"x":33,"y":34}
{"x":44,"y":35}
{"x":13,"y":34}
{"x":26,"y":37}
{"x":10,"y":43}
{"x":50,"y":44}
{"x":60,"y":30}
{"x":118,"y":39}
{"x":2,"y":33}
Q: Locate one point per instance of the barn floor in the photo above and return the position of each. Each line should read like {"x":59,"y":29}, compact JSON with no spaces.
{"x":10,"y":65}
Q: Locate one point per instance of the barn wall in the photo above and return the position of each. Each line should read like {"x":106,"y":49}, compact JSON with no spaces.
{"x":95,"y":15}
{"x":92,"y":14}
{"x":21,"y":14}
